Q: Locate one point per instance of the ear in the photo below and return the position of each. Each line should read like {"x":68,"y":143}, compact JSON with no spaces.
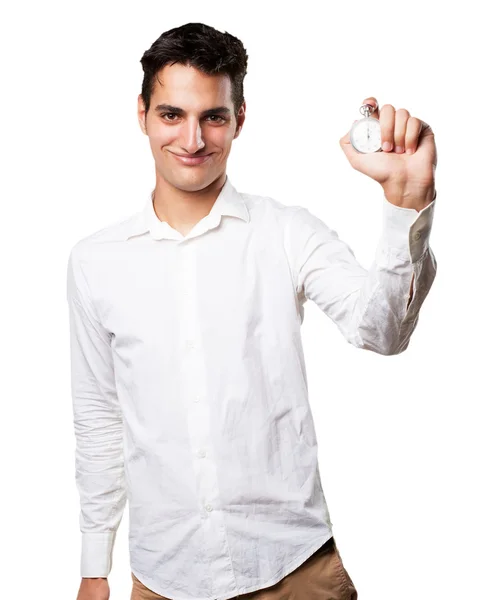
{"x":240,"y":119}
{"x":142,"y":114}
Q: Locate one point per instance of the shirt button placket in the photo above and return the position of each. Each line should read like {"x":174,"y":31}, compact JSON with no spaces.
{"x":199,"y":406}
{"x":194,"y":377}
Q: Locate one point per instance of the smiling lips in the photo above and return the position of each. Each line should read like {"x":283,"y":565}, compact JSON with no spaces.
{"x":192,"y":160}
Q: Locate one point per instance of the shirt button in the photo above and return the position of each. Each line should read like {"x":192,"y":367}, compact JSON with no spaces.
{"x":197,"y":398}
{"x":190,"y":343}
{"x":209,"y":508}
{"x":417,"y":235}
{"x":201,"y":453}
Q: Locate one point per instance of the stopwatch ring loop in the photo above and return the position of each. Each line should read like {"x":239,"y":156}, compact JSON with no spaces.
{"x":367,"y":109}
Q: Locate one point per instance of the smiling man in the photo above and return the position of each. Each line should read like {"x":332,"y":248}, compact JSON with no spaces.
{"x":191,"y":119}
{"x":189,"y":385}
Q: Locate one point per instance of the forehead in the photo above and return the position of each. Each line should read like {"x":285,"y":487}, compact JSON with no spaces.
{"x":187,"y":81}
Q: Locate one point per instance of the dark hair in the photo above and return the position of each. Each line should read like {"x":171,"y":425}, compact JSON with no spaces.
{"x":200,"y":46}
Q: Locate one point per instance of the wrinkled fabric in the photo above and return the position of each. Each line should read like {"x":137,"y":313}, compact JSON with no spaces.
{"x":322,"y":576}
{"x":189,"y":387}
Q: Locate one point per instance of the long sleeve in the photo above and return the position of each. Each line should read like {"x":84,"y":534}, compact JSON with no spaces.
{"x":97,"y":425}
{"x":370,"y":307}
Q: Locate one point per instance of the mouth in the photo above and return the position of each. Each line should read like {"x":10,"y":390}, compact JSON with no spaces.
{"x":192,"y":160}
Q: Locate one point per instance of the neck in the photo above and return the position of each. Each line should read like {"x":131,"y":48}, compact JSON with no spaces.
{"x":182,"y":209}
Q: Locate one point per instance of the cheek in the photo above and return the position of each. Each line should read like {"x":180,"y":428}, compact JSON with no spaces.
{"x":222,"y":136}
{"x":219,"y":139}
{"x":160,"y":144}
{"x":159,"y":135}
{"x":162,"y":137}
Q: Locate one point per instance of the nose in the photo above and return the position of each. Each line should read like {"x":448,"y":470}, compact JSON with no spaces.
{"x":192,"y":137}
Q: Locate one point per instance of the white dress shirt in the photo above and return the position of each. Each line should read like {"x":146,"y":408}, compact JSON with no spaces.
{"x":190,"y":395}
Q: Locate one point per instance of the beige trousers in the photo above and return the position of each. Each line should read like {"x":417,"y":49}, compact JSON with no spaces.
{"x":321,"y":577}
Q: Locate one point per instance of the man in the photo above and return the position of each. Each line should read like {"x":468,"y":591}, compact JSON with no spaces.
{"x":188,"y":378}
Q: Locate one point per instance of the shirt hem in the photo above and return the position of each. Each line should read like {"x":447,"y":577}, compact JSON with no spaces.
{"x":292,"y":566}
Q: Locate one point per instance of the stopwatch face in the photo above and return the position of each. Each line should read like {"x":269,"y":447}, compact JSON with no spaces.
{"x":365,"y":135}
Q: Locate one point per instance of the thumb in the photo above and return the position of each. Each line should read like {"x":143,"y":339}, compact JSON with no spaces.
{"x":345,"y":143}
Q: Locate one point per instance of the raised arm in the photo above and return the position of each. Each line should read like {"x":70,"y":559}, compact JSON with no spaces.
{"x":370,"y":307}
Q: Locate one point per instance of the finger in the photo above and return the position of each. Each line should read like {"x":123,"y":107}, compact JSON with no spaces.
{"x":387,"y":118}
{"x":372,"y":100}
{"x":400,"y":124}
{"x":413,"y":130}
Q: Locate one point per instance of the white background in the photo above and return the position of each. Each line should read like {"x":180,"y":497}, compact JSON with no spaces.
{"x":397,"y":435}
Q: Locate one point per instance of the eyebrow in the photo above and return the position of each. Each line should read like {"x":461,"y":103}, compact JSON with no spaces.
{"x":206,"y":113}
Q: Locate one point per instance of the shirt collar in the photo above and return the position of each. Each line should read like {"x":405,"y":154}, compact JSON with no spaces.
{"x":229,"y":202}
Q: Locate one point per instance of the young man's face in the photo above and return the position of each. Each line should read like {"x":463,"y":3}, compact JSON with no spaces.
{"x":187,"y":129}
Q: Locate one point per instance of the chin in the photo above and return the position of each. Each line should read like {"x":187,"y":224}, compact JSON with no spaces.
{"x":192,"y":182}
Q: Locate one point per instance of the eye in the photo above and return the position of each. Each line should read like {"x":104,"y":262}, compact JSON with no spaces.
{"x":217,"y":117}
{"x":169,"y":114}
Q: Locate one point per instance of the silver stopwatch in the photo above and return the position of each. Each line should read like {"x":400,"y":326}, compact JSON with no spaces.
{"x":365,"y":134}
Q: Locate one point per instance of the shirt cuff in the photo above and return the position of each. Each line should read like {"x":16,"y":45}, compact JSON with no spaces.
{"x":96,"y":556}
{"x":406,"y":231}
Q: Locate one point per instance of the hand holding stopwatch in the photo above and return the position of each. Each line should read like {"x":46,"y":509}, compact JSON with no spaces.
{"x":365,"y":134}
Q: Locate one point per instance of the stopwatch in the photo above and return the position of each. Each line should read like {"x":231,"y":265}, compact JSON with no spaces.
{"x":365,"y":134}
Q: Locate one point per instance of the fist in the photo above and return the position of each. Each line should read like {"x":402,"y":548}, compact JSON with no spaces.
{"x":406,"y":167}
